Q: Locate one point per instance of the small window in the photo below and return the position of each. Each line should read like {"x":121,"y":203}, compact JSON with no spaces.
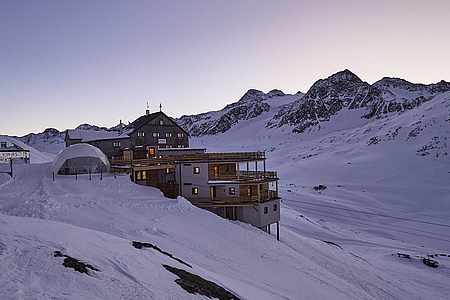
{"x":167,"y":170}
{"x":3,"y":144}
{"x":140,"y":134}
{"x":144,"y":174}
{"x":249,"y":190}
{"x":151,"y":151}
{"x":168,"y":134}
{"x":194,"y":191}
{"x":138,"y":175}
{"x":161,"y":122}
{"x":187,"y":165}
{"x":196,"y":170}
{"x":187,"y":183}
{"x":180,"y":135}
{"x":155,"y":134}
{"x":117,"y":144}
{"x":232,"y":191}
{"x":266,"y":210}
{"x":180,"y":146}
{"x":275,"y":207}
{"x":226,"y":168}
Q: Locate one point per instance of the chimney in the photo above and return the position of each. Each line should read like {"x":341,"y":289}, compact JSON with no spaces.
{"x":120,"y":128}
{"x":147,"y":112}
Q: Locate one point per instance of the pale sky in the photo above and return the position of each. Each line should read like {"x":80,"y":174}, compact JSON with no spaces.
{"x":63,"y":63}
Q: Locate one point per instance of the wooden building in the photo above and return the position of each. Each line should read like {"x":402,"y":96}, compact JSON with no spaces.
{"x":236,"y":186}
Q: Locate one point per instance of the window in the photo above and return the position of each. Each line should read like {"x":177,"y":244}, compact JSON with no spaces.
{"x":249,"y":190}
{"x":155,"y":134}
{"x":196,"y":170}
{"x":117,"y":144}
{"x":167,"y":170}
{"x":180,"y":146}
{"x":275,"y":207}
{"x":180,"y":135}
{"x":3,"y":145}
{"x":138,"y":175}
{"x":144,"y":174}
{"x":232,"y":191}
{"x":226,"y":168}
{"x":168,"y":134}
{"x":266,"y":210}
{"x":216,"y":171}
{"x":140,"y":134}
{"x":151,"y":151}
{"x":161,"y":122}
{"x":194,"y":191}
{"x":187,"y":183}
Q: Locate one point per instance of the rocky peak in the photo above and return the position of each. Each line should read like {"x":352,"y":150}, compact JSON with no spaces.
{"x":253,"y":94}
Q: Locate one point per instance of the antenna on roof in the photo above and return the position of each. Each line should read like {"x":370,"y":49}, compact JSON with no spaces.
{"x":160,"y":107}
{"x":147,"y":112}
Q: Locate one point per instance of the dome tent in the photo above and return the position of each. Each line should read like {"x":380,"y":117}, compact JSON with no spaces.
{"x":80,"y":159}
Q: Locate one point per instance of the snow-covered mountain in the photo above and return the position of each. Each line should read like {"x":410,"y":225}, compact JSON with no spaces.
{"x":325,"y":99}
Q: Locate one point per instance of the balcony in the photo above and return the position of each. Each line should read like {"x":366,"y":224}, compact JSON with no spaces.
{"x":244,"y":176}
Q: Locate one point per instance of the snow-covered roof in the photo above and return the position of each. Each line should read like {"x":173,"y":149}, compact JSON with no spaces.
{"x":90,"y":135}
{"x":81,"y":151}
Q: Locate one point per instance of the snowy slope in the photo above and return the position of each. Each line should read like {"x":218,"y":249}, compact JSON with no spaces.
{"x":96,"y":221}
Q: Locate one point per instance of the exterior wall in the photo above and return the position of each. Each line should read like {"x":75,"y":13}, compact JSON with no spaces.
{"x":218,"y":171}
{"x":167,"y":134}
{"x":256,"y":215}
{"x":72,"y":142}
{"x":110,"y":148}
{"x":189,"y":180}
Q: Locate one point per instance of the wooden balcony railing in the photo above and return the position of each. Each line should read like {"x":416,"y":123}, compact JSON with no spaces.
{"x":244,"y":175}
{"x":234,"y":200}
{"x":191,"y":157}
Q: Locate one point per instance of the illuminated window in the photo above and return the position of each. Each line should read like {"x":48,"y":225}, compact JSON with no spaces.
{"x":196,"y":170}
{"x":180,"y":135}
{"x":144,"y":174}
{"x":138,"y":175}
{"x":168,"y":134}
{"x":216,"y":171}
{"x":194,"y":191}
{"x":117,"y":144}
{"x":161,"y":122}
{"x":151,"y":151}
{"x":232,"y":191}
{"x":167,"y":170}
{"x":155,"y":134}
{"x":140,"y":134}
{"x":249,"y":190}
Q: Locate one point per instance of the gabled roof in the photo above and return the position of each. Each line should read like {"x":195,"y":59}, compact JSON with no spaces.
{"x":143,"y":120}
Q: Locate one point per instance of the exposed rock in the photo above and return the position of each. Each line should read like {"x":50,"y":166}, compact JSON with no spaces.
{"x":194,"y":284}
{"x":139,"y":245}
{"x":70,"y":262}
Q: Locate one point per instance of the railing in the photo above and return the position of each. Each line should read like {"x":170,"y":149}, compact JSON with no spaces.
{"x":244,"y":175}
{"x":234,"y":200}
{"x":222,"y":156}
{"x":190,"y":157}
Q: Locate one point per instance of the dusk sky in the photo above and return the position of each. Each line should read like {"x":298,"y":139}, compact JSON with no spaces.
{"x":63,"y":63}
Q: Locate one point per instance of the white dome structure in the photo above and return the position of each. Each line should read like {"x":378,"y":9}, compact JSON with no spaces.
{"x":80,"y":159}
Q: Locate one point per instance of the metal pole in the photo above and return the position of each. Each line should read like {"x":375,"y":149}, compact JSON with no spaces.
{"x":278,"y":230}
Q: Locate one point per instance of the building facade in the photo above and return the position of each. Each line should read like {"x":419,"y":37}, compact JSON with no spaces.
{"x":150,"y":131}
